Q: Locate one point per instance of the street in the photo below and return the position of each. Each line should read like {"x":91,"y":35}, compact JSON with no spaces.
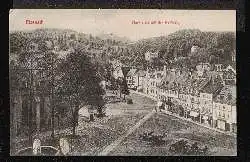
{"x":174,"y":129}
{"x":95,"y":136}
{"x":118,"y":134}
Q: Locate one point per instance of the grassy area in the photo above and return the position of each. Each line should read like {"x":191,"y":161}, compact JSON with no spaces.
{"x":174,"y":129}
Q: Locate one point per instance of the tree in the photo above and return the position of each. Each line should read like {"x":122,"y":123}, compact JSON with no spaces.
{"x":79,"y":80}
{"x":32,"y":68}
{"x":17,"y":42}
{"x":123,"y":83}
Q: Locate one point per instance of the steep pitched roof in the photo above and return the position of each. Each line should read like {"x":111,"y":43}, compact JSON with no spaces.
{"x":233,"y":68}
{"x":132,"y":72}
{"x":212,"y":87}
{"x":141,"y":73}
{"x":227,"y":95}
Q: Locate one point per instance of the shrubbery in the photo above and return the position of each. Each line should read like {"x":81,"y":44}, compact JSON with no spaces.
{"x":186,"y":147}
{"x":129,"y":101}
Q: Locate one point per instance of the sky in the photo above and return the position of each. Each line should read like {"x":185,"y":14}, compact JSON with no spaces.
{"x":119,"y":21}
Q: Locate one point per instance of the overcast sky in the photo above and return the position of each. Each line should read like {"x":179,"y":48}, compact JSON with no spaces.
{"x":119,"y":21}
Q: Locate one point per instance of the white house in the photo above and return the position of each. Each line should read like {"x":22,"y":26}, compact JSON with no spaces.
{"x":141,"y":74}
{"x":224,"y":109}
{"x":132,"y":79}
{"x":233,"y":55}
{"x":149,"y":55}
{"x":194,"y":49}
{"x":229,"y":67}
{"x":117,"y":69}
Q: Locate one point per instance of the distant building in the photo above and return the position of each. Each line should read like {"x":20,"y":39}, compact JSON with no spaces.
{"x":229,"y":75}
{"x":117,"y":69}
{"x":218,"y":67}
{"x":56,"y":48}
{"x":141,"y":74}
{"x":103,"y":84}
{"x":233,"y":56}
{"x":194,"y":49}
{"x":132,"y":79}
{"x":224,"y":109}
{"x":201,"y":67}
{"x":230,"y":68}
{"x":32,"y":47}
{"x":135,"y":78}
{"x":151,"y":55}
{"x":152,"y":80}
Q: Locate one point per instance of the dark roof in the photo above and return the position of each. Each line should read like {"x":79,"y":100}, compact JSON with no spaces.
{"x":227,"y":95}
{"x":141,"y":72}
{"x":212,"y":87}
{"x":132,"y":72}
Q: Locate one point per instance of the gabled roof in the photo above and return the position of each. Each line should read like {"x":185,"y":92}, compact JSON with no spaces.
{"x":141,"y":73}
{"x":212,"y":87}
{"x":132,"y":72}
{"x":232,"y":68}
{"x":168,"y":80}
{"x":228,"y":94}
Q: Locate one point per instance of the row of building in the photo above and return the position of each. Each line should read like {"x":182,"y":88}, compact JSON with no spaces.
{"x":207,"y":93}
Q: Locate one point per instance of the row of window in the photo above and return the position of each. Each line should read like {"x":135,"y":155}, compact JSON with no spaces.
{"x":220,"y":107}
{"x":222,"y":114}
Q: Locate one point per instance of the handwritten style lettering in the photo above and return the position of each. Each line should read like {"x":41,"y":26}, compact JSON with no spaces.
{"x":136,"y":22}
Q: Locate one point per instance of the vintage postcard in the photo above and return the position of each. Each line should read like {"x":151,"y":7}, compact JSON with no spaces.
{"x":122,"y":82}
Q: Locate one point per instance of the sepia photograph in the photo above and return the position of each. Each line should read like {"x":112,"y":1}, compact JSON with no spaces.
{"x":122,"y":82}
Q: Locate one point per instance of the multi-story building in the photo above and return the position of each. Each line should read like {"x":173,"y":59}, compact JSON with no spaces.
{"x":141,"y":74}
{"x":233,"y":56}
{"x":201,"y":67}
{"x":117,"y":69}
{"x":132,"y":79}
{"x":207,"y":93}
{"x":152,"y":81}
{"x":224,"y":109}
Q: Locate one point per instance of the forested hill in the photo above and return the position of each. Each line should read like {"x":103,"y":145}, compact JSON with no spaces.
{"x":214,"y":46}
{"x":66,"y":38}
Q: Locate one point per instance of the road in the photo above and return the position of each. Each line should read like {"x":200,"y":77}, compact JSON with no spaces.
{"x":114,"y":144}
{"x":174,"y":129}
{"x":129,"y":121}
{"x":118,"y":133}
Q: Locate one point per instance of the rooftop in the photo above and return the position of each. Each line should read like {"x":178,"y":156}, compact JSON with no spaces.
{"x":132,"y":72}
{"x":227,"y":95}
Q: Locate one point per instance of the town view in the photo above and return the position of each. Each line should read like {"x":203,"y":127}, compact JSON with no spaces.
{"x":74,"y":93}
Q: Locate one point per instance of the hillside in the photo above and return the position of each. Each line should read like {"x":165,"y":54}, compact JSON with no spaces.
{"x":214,"y":46}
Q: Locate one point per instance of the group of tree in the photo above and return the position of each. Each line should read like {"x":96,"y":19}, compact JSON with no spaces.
{"x":79,"y":79}
{"x":214,"y":47}
{"x":74,"y":79}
